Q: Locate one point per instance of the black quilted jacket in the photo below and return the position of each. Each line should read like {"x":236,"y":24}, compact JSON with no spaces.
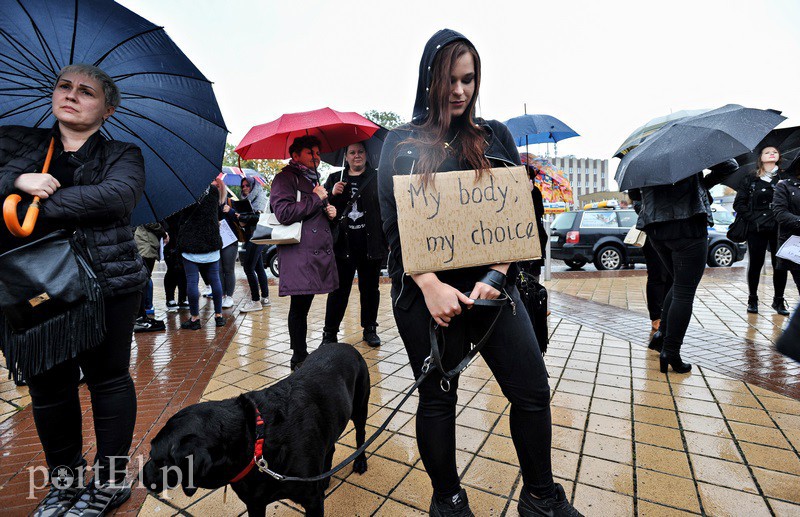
{"x":108,"y":184}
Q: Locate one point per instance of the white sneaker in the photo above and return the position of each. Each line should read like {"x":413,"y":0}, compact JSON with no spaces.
{"x":227,"y":302}
{"x":265,"y":302}
{"x":251,"y":306}
{"x":208,"y":292}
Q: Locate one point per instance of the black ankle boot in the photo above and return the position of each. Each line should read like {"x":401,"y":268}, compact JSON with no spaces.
{"x":297,"y":360}
{"x":674,"y":360}
{"x":456,"y":506}
{"x":556,"y":506}
{"x":329,"y":337}
{"x":371,"y":336}
{"x":752,"y":304}
{"x":779,"y":304}
{"x":657,"y":341}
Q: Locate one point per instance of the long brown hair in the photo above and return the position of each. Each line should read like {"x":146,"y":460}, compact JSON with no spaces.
{"x":470,"y":142}
{"x":760,"y":170}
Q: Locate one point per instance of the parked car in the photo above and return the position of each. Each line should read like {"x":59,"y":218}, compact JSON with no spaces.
{"x":269,"y":255}
{"x":598,"y":236}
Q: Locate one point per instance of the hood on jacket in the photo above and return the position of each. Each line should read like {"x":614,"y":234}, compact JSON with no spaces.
{"x":257,"y":196}
{"x":437,"y":41}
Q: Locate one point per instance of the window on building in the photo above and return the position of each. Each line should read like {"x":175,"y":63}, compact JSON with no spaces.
{"x":570,"y":170}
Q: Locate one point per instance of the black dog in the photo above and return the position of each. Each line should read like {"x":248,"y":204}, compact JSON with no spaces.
{"x":208,"y":445}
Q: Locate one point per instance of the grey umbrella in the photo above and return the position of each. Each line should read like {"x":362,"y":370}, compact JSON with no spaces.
{"x":643,"y":132}
{"x":689,"y":145}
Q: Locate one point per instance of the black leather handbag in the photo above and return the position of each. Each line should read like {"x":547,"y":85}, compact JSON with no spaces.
{"x":738,"y":230}
{"x":51,"y":304}
{"x":534,"y":298}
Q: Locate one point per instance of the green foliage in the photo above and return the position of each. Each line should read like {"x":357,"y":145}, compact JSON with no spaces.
{"x":387,"y":119}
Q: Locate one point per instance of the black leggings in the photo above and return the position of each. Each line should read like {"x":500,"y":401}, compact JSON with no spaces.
{"x":299,"y":306}
{"x":686,"y":260}
{"x":175,"y":277}
{"x":369,"y":273}
{"x":659,"y":281}
{"x":253,"y":265}
{"x":516,"y":362}
{"x":757,"y":244}
{"x":57,"y":408}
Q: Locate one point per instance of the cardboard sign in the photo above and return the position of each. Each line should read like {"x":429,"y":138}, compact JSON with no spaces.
{"x":457,"y":221}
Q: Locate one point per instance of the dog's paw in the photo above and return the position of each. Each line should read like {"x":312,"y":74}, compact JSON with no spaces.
{"x":360,"y":465}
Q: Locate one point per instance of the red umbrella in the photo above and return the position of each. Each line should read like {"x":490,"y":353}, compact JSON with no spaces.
{"x":335,"y":129}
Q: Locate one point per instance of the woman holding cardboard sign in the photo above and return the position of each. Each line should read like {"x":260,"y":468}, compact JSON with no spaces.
{"x":444,"y":135}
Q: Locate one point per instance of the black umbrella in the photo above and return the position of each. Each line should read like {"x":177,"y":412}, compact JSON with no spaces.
{"x":687,"y":146}
{"x":374,"y":145}
{"x":168,"y":107}
{"x":786,"y":140}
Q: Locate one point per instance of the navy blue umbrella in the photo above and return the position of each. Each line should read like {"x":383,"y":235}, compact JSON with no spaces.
{"x":685,"y":147}
{"x":168,"y":107}
{"x":374,"y":145}
{"x":538,"y":129}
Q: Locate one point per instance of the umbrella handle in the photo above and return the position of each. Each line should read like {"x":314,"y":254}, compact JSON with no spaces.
{"x":10,"y":216}
{"x":11,"y":202}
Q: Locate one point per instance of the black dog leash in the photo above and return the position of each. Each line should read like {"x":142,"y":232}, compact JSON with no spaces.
{"x":431,"y":363}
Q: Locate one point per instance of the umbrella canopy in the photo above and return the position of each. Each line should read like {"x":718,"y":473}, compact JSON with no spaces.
{"x":650,"y":127}
{"x":374,"y":145}
{"x":232,"y":176}
{"x":551,"y":182}
{"x":538,"y":129}
{"x":335,"y":130}
{"x":687,"y":146}
{"x":168,"y":107}
{"x":786,"y":140}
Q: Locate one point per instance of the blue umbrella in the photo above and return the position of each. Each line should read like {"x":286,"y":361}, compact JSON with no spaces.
{"x":168,"y":107}
{"x":232,"y":176}
{"x":538,"y":129}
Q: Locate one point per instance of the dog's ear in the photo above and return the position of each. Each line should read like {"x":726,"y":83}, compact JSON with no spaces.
{"x":198,"y":464}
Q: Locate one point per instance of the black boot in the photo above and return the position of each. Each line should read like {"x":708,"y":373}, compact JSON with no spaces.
{"x":657,"y":341}
{"x":752,"y":304}
{"x":371,"y":336}
{"x":779,"y":304}
{"x":674,"y":360}
{"x":297,"y":360}
{"x":456,"y":506}
{"x":329,"y":337}
{"x":557,"y":506}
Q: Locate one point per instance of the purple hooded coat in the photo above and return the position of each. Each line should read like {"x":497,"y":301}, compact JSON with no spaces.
{"x":310,"y":266}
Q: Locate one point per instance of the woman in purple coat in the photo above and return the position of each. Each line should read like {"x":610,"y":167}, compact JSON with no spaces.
{"x":309,"y":267}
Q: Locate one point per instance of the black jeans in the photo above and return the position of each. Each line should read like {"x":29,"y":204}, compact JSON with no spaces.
{"x":253,"y":265}
{"x":757,"y":244}
{"x":227,"y":268}
{"x":659,"y":281}
{"x":299,"y":305}
{"x":686,"y":260}
{"x":513,"y":355}
{"x":174,"y":278}
{"x":57,"y":409}
{"x":369,"y":273}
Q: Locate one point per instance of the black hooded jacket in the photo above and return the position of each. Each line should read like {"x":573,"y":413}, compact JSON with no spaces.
{"x":398,"y":158}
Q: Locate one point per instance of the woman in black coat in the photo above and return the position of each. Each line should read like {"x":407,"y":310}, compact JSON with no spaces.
{"x":445,"y":135}
{"x":786,"y":207}
{"x":92,"y":187}
{"x":754,"y":203}
{"x":676,"y":218}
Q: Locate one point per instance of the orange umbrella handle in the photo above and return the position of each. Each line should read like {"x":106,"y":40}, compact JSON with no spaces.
{"x":11,"y":202}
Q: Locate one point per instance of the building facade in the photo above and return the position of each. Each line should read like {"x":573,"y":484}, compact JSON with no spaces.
{"x":586,"y":175}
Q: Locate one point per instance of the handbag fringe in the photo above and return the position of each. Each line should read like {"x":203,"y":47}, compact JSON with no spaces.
{"x":58,"y":339}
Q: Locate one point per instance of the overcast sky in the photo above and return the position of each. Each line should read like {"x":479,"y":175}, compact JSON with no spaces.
{"x":603,"y":67}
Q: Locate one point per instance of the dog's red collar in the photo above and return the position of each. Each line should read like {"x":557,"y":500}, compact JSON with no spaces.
{"x":259,"y":448}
